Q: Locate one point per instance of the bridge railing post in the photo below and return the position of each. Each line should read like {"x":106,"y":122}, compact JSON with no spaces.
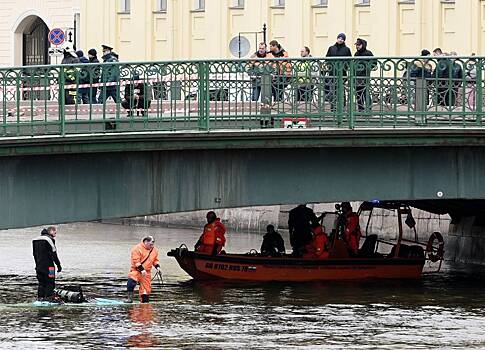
{"x":479,"y":92}
{"x":203,"y":95}
{"x":340,"y":92}
{"x":61,"y":102}
{"x":350,"y":102}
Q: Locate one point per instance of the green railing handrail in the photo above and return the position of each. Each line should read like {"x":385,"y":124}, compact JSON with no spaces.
{"x":207,"y":95}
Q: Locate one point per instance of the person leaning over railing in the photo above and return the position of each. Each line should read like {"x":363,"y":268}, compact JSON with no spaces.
{"x":422,"y":69}
{"x":449,"y":74}
{"x":70,"y":58}
{"x":303,"y":70}
{"x":257,"y":69}
{"x":283,"y":71}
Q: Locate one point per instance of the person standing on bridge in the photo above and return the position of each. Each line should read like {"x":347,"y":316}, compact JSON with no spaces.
{"x":212,"y":239}
{"x":84,"y":79}
{"x":95,"y":75}
{"x":70,"y":76}
{"x":144,"y":256}
{"x":336,"y":70}
{"x":45,"y":256}
{"x":363,"y":70}
{"x":110,"y":76}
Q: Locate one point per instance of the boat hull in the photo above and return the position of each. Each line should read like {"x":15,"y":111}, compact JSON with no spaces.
{"x":237,"y":267}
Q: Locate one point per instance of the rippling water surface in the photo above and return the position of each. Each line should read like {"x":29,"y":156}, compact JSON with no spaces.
{"x":441,"y":311}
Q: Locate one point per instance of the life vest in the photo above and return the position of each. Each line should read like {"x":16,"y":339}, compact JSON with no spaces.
{"x":317,"y":247}
{"x":213,"y":235}
{"x":352,"y":232}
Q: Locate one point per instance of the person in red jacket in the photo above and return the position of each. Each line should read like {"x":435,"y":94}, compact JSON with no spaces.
{"x":351,"y":234}
{"x":317,"y":248}
{"x":212,"y":239}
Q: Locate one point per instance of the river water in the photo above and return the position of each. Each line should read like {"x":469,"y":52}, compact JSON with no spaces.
{"x":443,"y":311}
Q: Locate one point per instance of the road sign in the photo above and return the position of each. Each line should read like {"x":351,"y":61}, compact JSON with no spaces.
{"x":55,"y":51}
{"x":57,"y":36}
{"x":69,"y":33}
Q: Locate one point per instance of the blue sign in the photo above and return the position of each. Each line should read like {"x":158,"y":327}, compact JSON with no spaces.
{"x":57,"y":36}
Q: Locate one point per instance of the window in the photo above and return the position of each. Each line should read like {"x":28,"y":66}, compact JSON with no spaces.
{"x":200,"y":5}
{"x":125,"y":6}
{"x":238,"y":3}
{"x":279,"y":3}
{"x":161,"y":5}
{"x":321,"y":2}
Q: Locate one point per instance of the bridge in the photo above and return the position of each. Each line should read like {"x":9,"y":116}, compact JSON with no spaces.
{"x":194,"y":135}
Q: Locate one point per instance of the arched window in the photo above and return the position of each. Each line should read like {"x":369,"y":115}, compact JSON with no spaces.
{"x":35,"y":45}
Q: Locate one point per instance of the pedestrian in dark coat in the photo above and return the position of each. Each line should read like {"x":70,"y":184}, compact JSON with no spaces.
{"x":333,"y":68}
{"x":84,"y":79}
{"x":450,"y":75}
{"x":95,"y":75}
{"x":363,"y":68}
{"x":45,"y":256}
{"x":339,"y":49}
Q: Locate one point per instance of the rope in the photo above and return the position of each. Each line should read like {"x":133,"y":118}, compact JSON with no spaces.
{"x":160,"y":278}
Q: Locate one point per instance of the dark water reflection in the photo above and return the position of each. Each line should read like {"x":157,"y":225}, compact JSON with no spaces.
{"x":439,"y":311}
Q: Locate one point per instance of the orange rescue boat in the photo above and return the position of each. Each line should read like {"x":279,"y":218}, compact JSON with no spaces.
{"x":402,"y":262}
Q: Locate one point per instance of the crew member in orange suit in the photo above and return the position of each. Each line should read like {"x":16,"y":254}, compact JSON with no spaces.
{"x":318,"y":246}
{"x":144,"y":256}
{"x":212,"y":239}
{"x":352,"y":232}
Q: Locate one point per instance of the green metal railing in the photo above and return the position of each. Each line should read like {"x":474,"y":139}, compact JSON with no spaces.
{"x":242,"y":95}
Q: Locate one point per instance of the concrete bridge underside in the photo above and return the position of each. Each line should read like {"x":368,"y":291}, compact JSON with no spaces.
{"x":57,"y":180}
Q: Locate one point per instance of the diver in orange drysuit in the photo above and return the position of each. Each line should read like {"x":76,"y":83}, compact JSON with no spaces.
{"x":352,"y":232}
{"x":317,"y":247}
{"x":212,"y":239}
{"x":143,"y":256}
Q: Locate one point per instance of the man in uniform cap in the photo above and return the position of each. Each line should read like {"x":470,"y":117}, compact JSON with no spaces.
{"x":109,"y":75}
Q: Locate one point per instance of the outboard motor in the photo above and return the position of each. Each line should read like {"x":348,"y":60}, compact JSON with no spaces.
{"x":71,"y":294}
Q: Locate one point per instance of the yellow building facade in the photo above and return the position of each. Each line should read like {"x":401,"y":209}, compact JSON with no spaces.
{"x":24,"y":28}
{"x":145,"y":30}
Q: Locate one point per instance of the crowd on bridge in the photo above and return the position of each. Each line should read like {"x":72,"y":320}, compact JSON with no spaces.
{"x":446,"y":78}
{"x":96,"y":86}
{"x":448,"y":73}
